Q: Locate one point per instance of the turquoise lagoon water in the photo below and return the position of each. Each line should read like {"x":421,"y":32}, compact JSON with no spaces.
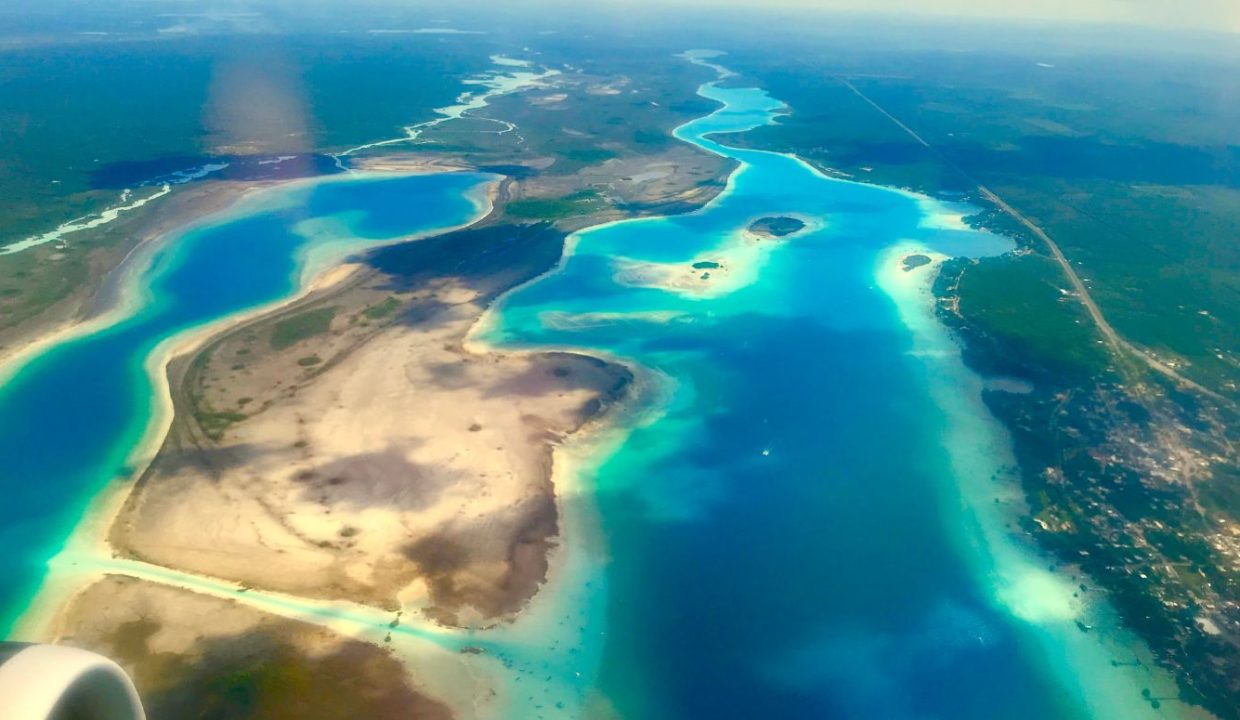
{"x":71,"y":418}
{"x":797,"y":533}
{"x":798,"y":525}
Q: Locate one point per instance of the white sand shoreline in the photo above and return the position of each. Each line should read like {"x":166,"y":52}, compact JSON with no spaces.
{"x":441,"y":671}
{"x":90,"y":537}
{"x":1015,"y":571}
{"x":590,"y":445}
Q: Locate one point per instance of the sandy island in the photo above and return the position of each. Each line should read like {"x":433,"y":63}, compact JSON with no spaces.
{"x":735,"y":264}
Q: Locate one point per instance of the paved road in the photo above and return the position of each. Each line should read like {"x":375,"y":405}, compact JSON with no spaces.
{"x":1122,"y":348}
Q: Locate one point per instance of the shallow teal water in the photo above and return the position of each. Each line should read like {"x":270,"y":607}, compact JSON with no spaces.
{"x":788,"y":538}
{"x":71,"y":417}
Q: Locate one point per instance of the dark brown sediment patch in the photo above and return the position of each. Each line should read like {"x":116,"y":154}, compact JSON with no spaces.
{"x":259,"y":443}
{"x":454,"y":562}
{"x":216,"y":406}
{"x":194,"y":656}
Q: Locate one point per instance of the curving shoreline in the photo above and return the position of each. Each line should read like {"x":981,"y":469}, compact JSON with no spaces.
{"x":1091,"y":679}
{"x":119,"y":291}
{"x":90,"y":558}
{"x":90,"y":537}
{"x":1015,"y":569}
{"x":316,"y":273}
{"x":580,"y":558}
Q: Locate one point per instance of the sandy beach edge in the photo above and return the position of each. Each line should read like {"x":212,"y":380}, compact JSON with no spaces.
{"x":1013,"y":570}
{"x":88,"y":556}
{"x":45,"y":611}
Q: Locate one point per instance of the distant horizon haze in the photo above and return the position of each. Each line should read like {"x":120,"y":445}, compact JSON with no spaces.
{"x":1216,"y":15}
{"x":178,"y":17}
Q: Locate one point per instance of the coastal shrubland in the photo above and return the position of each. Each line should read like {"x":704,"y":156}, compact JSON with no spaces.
{"x":573,"y":204}
{"x":301,"y":326}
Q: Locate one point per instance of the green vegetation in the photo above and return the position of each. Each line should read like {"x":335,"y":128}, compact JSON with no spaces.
{"x":359,"y":88}
{"x":309,"y":360}
{"x":652,"y":139}
{"x":214,"y":423}
{"x":1021,"y":301}
{"x":31,"y":281}
{"x":383,"y":309}
{"x":1140,"y":192}
{"x":578,"y":203}
{"x":706,"y":265}
{"x":264,"y":676}
{"x":203,"y":359}
{"x":913,"y":262}
{"x":776,"y":226}
{"x":1132,"y":168}
{"x":1161,"y":262}
{"x":591,"y":129}
{"x":589,"y":155}
{"x":295,"y":328}
{"x":58,"y":168}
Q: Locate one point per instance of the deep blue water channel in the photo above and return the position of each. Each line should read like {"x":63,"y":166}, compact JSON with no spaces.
{"x":787,"y":540}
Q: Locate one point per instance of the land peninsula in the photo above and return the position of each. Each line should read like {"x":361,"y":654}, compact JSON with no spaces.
{"x":349,"y":446}
{"x":352,"y":446}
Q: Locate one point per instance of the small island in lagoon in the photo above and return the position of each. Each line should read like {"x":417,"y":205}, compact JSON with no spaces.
{"x":912,"y":262}
{"x":776,"y":227}
{"x":442,"y":473}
